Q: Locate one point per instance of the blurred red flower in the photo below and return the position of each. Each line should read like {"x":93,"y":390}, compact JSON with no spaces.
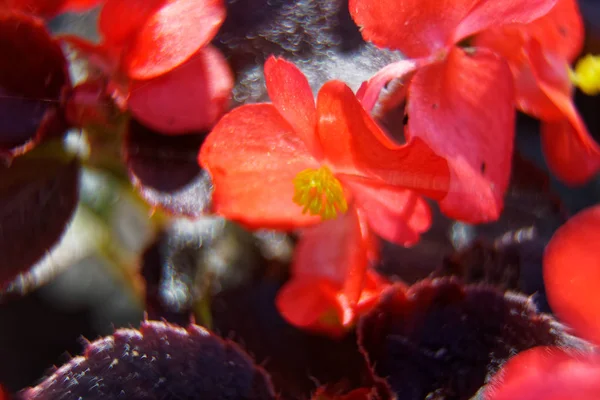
{"x":571,"y":276}
{"x":48,"y":8}
{"x":157,"y":56}
{"x":539,"y":54}
{"x":289,"y":164}
{"x":459,"y":99}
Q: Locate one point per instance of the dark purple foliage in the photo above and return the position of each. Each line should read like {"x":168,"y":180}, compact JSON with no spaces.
{"x":165,"y":170}
{"x":37,"y":199}
{"x":33,"y":79}
{"x":442,"y":340}
{"x":160,"y":361}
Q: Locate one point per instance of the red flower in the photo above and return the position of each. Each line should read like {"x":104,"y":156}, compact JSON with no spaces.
{"x":571,"y":276}
{"x":161,"y":66}
{"x":48,"y":8}
{"x":331,"y":284}
{"x":539,"y":54}
{"x":290,"y":164}
{"x":460,"y":101}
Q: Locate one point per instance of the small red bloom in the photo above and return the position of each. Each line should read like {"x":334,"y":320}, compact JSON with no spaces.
{"x":539,"y":55}
{"x":571,"y":276}
{"x":262,"y":156}
{"x":290,"y":164}
{"x":460,"y":101}
{"x":331,"y":284}
{"x":160,"y":63}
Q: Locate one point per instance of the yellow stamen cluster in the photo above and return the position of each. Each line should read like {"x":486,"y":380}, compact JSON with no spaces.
{"x":320,"y":193}
{"x":586,"y":75}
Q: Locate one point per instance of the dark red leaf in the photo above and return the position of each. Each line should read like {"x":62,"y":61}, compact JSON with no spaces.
{"x":333,"y":393}
{"x":165,"y":170}
{"x":483,"y":263}
{"x":33,"y":77}
{"x":159,"y":361}
{"x":37,"y":198}
{"x":441,"y":340}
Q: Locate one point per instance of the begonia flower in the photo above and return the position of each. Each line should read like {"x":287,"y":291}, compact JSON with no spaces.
{"x":459,"y":98}
{"x":539,"y":55}
{"x":161,"y":66}
{"x":34,"y":81}
{"x":290,"y":164}
{"x":571,"y":276}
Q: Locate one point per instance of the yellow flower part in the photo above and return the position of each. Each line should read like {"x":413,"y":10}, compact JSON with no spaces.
{"x":586,"y":75}
{"x":320,"y":193}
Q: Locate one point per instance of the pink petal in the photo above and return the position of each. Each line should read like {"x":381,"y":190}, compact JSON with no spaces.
{"x":463,"y":109}
{"x":547,"y":373}
{"x":291,"y":94}
{"x":253,"y":155}
{"x":191,"y":97}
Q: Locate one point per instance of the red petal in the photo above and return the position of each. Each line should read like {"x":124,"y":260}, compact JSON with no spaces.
{"x":334,"y":256}
{"x":510,"y":43}
{"x":189,"y":98}
{"x":253,"y":155}
{"x":463,"y":108}
{"x":354,"y":144}
{"x":120,"y":20}
{"x":547,"y":373}
{"x":368,"y":94}
{"x":333,"y":250}
{"x":572,"y":273}
{"x":491,"y":14}
{"x":560,"y":32}
{"x":397,"y":215}
{"x":570,"y":151}
{"x":290,"y":93}
{"x":416,"y":27}
{"x":559,"y":36}
{"x":311,"y":304}
{"x":171,"y":36}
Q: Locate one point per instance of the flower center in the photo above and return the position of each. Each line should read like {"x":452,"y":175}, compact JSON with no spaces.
{"x":320,"y":193}
{"x":586,"y":75}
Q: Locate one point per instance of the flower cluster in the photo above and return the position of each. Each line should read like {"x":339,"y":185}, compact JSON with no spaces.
{"x":469,"y":66}
{"x":319,"y":163}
